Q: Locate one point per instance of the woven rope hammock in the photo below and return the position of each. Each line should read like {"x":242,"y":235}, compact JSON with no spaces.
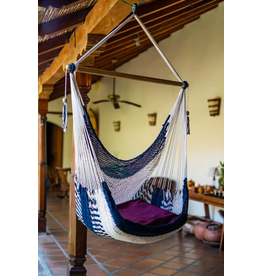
{"x":141,"y":200}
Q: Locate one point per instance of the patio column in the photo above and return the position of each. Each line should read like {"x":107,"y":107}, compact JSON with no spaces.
{"x":77,"y":235}
{"x":42,"y":110}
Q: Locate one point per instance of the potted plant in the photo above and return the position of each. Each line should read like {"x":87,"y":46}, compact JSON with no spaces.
{"x":221,"y":179}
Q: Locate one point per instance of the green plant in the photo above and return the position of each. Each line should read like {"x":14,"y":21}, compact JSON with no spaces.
{"x":221,"y":179}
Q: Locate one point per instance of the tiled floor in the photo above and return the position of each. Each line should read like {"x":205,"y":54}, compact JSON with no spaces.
{"x":180,"y":255}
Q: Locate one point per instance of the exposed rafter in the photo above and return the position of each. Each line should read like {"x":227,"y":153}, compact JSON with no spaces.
{"x":55,"y":3}
{"x":64,"y":23}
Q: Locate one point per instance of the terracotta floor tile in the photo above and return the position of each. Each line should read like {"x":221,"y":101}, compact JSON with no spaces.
{"x":111,"y":255}
{"x":93,"y":268}
{"x":163,"y":271}
{"x":148,"y":274}
{"x":221,"y":267}
{"x":173,"y":265}
{"x":216,"y":273}
{"x":206,"y":263}
{"x":58,"y":264}
{"x":56,"y":258}
{"x":140,"y":267}
{"x":185,"y":273}
{"x":163,"y":257}
{"x":198,"y":269}
{"x":172,"y":252}
{"x":142,"y":253}
{"x":111,"y":268}
{"x":183,"y":260}
{"x":123,"y":250}
{"x":218,"y":253}
{"x":214,"y":259}
{"x":96,"y":252}
{"x":59,"y":270}
{"x":53,"y":252}
{"x":130,"y":258}
{"x":102,"y":259}
{"x":49,"y":247}
{"x":118,"y":263}
{"x":105,"y":247}
{"x":127,"y":272}
{"x":192,"y":256}
{"x":181,"y":247}
{"x":154,"y":249}
{"x":152,"y":262}
{"x":200,"y":251}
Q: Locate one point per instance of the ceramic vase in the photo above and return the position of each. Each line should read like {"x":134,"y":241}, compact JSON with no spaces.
{"x":213,"y":232}
{"x":200,"y":229}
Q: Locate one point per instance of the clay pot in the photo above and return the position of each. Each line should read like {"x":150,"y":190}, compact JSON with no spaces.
{"x":200,"y":229}
{"x":213,"y":232}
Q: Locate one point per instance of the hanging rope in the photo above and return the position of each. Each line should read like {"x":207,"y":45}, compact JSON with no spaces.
{"x":131,"y":4}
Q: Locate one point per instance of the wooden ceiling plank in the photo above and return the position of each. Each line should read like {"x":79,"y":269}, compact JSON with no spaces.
{"x":184,"y":6}
{"x":191,"y":15}
{"x":102,"y":19}
{"x":156,"y":6}
{"x":53,"y":44}
{"x":55,"y":3}
{"x":48,"y":56}
{"x":200,"y":7}
{"x":124,"y":57}
{"x":144,"y":43}
{"x":161,"y":28}
{"x":64,"y":23}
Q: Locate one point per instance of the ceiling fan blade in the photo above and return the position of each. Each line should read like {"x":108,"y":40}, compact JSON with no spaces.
{"x":138,"y":105}
{"x":102,"y":101}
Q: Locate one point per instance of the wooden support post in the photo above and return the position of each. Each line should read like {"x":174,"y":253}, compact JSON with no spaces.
{"x":42,"y":110}
{"x":77,"y":235}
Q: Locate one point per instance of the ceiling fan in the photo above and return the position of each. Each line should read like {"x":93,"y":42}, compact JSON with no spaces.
{"x":113,"y":98}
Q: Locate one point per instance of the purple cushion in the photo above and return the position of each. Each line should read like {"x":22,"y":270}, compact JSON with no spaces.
{"x":141,"y":212}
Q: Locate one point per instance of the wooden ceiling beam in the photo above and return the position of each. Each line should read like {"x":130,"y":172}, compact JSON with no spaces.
{"x":54,"y":43}
{"x":64,"y":23}
{"x":102,"y":19}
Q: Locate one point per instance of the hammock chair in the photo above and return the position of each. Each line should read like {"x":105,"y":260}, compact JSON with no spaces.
{"x":141,"y":200}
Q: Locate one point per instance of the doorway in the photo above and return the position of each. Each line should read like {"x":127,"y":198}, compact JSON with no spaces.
{"x":54,"y":152}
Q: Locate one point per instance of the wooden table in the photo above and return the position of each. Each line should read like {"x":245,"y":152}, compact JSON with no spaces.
{"x":210,"y":200}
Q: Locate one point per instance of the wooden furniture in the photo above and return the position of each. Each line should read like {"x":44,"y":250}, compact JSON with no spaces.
{"x":52,"y":177}
{"x":42,"y":110}
{"x":62,"y":174}
{"x":210,"y":200}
